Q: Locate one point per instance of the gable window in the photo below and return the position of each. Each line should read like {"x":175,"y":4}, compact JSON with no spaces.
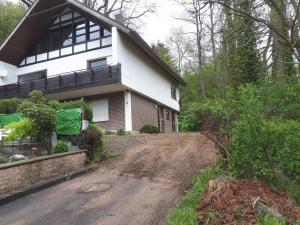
{"x":70,"y":33}
{"x":32,"y":76}
{"x":173,"y":93}
{"x":97,"y":63}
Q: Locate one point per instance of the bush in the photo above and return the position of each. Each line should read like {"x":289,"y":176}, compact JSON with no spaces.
{"x":42,"y":116}
{"x":20,"y":130}
{"x":60,"y":147}
{"x":121,"y":132}
{"x":150,"y":129}
{"x":3,"y":159}
{"x":260,"y":129}
{"x":93,"y":141}
{"x":8,"y":106}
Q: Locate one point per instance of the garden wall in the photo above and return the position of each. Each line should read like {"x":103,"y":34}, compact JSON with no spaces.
{"x":17,"y":175}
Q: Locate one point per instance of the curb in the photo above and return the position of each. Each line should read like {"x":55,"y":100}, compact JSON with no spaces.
{"x":12,"y":196}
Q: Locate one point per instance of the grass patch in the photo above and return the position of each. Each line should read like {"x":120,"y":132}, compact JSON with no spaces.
{"x":185,"y":212}
{"x":271,"y":220}
{"x":106,"y":153}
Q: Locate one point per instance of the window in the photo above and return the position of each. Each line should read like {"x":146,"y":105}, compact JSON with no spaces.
{"x":54,"y":40}
{"x":32,"y":76}
{"x":68,"y":35}
{"x":43,"y":46}
{"x":173,"y":93}
{"x":100,"y":110}
{"x":94,"y":64}
{"x":167,"y":115}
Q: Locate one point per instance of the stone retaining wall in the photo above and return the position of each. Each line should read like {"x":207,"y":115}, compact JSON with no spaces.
{"x":17,"y":175}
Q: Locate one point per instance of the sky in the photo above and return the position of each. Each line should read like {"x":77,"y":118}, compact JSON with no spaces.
{"x":157,"y":26}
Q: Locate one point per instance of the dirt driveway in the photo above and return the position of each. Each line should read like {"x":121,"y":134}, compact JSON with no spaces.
{"x":138,"y":187}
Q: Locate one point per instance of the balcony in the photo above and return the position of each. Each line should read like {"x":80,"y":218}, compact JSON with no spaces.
{"x":64,"y":82}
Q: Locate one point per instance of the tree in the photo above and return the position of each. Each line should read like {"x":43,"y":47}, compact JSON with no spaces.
{"x":164,"y":53}
{"x":128,"y":12}
{"x":10,"y":14}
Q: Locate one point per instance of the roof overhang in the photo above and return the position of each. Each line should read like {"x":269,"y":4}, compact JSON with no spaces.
{"x":33,"y":26}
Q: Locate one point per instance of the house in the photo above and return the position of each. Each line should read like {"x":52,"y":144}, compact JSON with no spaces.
{"x":69,"y":51}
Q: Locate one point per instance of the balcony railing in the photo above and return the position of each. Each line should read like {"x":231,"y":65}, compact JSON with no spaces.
{"x":64,"y":82}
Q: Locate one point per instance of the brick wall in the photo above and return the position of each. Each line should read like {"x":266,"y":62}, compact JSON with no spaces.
{"x":116,"y":110}
{"x":17,"y":175}
{"x":143,"y":112}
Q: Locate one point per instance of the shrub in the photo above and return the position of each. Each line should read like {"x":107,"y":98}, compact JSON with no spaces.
{"x":43,"y":117}
{"x":8,"y":106}
{"x":3,"y":159}
{"x":20,"y":130}
{"x":121,"y":132}
{"x":93,"y":141}
{"x":260,"y":130}
{"x":150,"y":129}
{"x":60,"y":147}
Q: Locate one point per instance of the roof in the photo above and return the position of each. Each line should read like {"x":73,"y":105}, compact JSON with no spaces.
{"x":32,"y":26}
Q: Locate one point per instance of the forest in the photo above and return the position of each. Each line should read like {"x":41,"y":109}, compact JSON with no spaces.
{"x":240,"y":61}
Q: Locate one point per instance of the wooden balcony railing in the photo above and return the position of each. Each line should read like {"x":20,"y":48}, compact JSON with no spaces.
{"x":64,"y":82}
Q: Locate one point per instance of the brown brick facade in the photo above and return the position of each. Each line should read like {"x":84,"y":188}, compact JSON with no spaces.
{"x":116,"y":110}
{"x":144,"y":112}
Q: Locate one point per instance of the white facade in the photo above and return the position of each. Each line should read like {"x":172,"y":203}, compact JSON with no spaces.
{"x":141,"y":74}
{"x":7,"y":73}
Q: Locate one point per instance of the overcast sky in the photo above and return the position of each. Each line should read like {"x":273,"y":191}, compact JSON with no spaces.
{"x":157,"y":26}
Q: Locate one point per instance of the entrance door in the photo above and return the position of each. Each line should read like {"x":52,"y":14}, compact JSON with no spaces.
{"x":161,"y":120}
{"x":173,"y":121}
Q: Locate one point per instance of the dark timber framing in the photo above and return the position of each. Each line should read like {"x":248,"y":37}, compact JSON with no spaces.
{"x":90,"y":28}
{"x":75,"y":80}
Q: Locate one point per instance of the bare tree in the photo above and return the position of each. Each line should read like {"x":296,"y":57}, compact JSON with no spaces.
{"x":131,"y":10}
{"x":193,"y":15}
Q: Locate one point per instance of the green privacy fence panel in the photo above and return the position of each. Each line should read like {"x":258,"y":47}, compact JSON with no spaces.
{"x":68,"y":122}
{"x":10,"y":118}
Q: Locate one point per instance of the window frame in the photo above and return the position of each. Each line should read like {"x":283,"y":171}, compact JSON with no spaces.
{"x":89,"y":62}
{"x":173,"y":93}
{"x":59,"y":27}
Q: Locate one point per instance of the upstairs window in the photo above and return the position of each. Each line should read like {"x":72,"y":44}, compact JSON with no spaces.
{"x":173,"y":93}
{"x":70,"y":33}
{"x":97,"y":63}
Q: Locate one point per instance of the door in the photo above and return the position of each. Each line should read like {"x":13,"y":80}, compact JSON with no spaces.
{"x":161,"y":120}
{"x":173,"y":121}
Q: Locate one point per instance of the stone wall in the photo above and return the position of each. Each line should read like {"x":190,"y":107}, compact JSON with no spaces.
{"x":17,"y":175}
